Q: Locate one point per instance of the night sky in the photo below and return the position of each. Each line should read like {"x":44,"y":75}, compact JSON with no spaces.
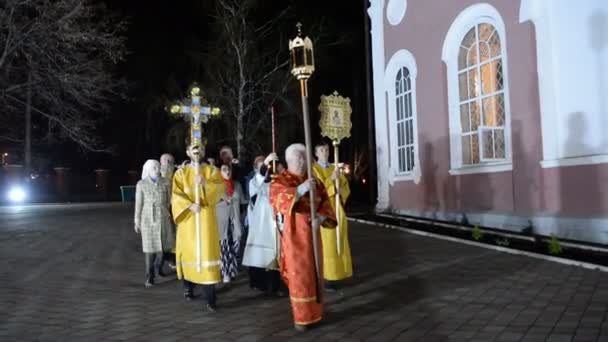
{"x":159,"y":70}
{"x":161,"y":32}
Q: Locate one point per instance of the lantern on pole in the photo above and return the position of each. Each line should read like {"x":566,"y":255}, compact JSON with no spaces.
{"x":301,"y":59}
{"x":302,"y":67}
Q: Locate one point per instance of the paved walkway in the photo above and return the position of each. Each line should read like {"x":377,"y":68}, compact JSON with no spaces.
{"x":76,"y":273}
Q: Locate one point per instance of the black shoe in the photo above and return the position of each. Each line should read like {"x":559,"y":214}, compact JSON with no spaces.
{"x":189,"y":296}
{"x":300,"y":327}
{"x":330,"y":288}
{"x":149,"y":283}
{"x":161,"y":274}
{"x":211,"y":308}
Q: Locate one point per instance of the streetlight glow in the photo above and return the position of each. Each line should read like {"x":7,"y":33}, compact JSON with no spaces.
{"x":16,"y":194}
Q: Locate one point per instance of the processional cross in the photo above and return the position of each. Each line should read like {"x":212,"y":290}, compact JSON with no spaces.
{"x":197,"y":113}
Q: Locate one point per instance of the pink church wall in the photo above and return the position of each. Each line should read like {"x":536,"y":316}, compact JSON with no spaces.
{"x":528,"y":189}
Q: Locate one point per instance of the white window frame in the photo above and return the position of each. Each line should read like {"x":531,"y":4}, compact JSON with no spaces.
{"x":401,"y":59}
{"x":467,"y":19}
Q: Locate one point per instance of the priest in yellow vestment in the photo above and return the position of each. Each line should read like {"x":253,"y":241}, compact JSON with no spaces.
{"x":337,"y":265}
{"x":205,"y":271}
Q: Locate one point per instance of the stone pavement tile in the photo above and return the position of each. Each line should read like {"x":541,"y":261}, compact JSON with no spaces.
{"x":556,"y":337}
{"x":510,"y":337}
{"x":412,"y":335}
{"x":591,"y":321}
{"x":565,"y":328}
{"x":424,"y":289}
{"x":534,"y":338}
{"x":350,"y":338}
{"x":517,"y":329}
{"x":461,"y":335}
{"x":366,"y":332}
{"x":433,"y":338}
{"x":445,"y":328}
{"x":287,"y":333}
{"x":335,"y":335}
{"x":488,"y":336}
{"x":385,"y":335}
{"x":539,"y":330}
{"x":493,"y":329}
{"x":244,"y":338}
{"x":579,"y":337}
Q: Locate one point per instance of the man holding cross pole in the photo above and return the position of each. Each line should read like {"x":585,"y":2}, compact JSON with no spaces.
{"x":198,"y":251}
{"x":197,"y":188}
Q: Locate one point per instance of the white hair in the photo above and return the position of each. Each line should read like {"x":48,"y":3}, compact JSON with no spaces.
{"x":167,"y":157}
{"x":167,"y":165}
{"x":147,"y":169}
{"x":293,"y":150}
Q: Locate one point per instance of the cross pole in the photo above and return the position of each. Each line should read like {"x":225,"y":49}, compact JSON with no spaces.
{"x":197,"y":113}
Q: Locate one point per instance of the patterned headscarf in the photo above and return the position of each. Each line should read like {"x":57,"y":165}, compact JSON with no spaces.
{"x":147,"y":169}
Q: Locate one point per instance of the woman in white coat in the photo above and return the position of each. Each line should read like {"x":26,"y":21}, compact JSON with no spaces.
{"x":262,"y":248}
{"x":153,"y":218}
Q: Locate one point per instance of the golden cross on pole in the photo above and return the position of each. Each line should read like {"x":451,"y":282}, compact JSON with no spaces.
{"x":198,"y":113}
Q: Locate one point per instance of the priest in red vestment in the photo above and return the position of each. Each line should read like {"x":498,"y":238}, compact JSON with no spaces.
{"x":291,"y":203}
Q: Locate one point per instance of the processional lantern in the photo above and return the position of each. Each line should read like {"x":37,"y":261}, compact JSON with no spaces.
{"x":302,"y":66}
{"x":302,"y":58}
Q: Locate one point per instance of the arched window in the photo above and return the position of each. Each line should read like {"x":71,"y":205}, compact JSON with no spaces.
{"x":481,"y":91}
{"x":405,"y":121}
{"x":400,"y":86}
{"x":475,"y":54}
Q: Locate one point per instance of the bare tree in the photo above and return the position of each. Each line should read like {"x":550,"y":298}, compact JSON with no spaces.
{"x":244,"y":69}
{"x":61,"y":52}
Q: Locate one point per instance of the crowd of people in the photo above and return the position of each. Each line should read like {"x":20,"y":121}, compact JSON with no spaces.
{"x":209,"y":223}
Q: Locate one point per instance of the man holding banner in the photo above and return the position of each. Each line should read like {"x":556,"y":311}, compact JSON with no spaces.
{"x":337,"y":263}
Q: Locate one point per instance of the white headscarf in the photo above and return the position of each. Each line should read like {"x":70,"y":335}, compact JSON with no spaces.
{"x":147,"y":169}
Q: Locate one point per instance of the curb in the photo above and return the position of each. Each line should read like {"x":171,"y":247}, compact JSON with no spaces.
{"x":564,"y":261}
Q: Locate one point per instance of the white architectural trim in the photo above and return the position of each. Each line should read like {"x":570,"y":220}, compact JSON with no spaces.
{"x":587,"y":160}
{"x":406,"y":177}
{"x":400,"y":59}
{"x":571,"y":57}
{"x":395,"y":11}
{"x":468,"y":18}
{"x":482,"y":168}
{"x":593,"y":229}
{"x":376,"y":14}
{"x":534,"y":10}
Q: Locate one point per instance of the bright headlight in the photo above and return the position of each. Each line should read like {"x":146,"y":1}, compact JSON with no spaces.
{"x":16,"y":194}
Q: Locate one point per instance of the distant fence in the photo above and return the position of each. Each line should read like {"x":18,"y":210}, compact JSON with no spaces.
{"x":63,"y":184}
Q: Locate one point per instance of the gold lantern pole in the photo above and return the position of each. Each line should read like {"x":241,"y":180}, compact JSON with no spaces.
{"x":335,"y":124}
{"x":197,"y":113}
{"x":302,"y":67}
